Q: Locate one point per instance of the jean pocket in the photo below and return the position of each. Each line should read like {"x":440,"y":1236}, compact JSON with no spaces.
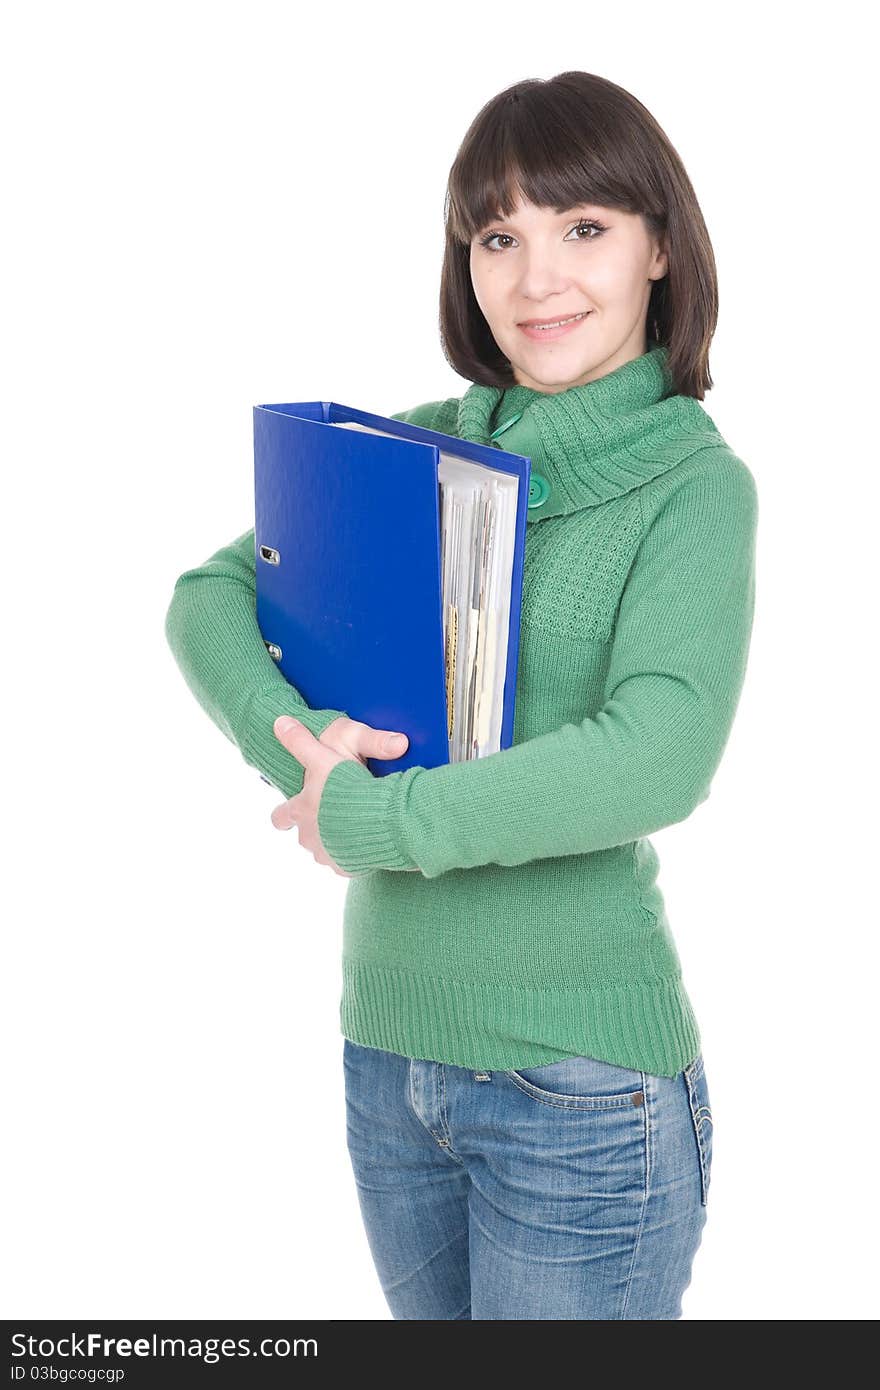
{"x":701,"y":1117}
{"x":581,"y":1083}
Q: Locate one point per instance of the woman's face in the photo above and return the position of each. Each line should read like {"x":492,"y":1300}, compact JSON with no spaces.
{"x":540,"y":264}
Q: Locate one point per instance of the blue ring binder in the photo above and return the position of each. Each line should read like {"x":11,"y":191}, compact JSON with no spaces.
{"x":349,"y":586}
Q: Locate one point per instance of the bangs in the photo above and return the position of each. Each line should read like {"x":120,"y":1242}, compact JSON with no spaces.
{"x":537,"y":150}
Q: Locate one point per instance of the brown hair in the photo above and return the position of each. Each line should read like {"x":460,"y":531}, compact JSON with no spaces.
{"x":571,"y":139}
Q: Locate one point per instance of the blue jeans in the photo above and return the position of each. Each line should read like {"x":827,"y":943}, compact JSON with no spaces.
{"x":568,"y":1191}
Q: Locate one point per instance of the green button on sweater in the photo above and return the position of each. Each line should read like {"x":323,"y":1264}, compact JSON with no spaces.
{"x":505,"y":912}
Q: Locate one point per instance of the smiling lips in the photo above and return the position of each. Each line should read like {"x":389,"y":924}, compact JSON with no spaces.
{"x":552,"y":328}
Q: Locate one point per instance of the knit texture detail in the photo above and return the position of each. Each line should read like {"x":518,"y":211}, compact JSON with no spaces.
{"x":506,"y":911}
{"x":463,"y":1020}
{"x":577,"y":567}
{"x":363,"y":805}
{"x":596,"y":441}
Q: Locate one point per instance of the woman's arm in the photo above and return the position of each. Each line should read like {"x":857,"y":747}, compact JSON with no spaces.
{"x":212,"y":630}
{"x":211,"y":627}
{"x":644,"y":761}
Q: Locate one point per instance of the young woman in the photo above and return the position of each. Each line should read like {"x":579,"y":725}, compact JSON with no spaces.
{"x":528,"y":1116}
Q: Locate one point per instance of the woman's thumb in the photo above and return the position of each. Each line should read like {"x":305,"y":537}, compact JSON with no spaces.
{"x":391,"y":745}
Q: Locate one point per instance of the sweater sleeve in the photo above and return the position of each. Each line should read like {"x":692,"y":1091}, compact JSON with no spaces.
{"x":211,"y":627}
{"x":645,"y":760}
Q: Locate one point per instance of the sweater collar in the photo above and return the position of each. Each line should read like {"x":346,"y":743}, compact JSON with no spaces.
{"x":591,"y":442}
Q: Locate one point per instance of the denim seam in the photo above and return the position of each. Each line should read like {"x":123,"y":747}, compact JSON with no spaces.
{"x":565,"y":1102}
{"x":699,"y":1114}
{"x":444,"y":1118}
{"x":648,"y":1088}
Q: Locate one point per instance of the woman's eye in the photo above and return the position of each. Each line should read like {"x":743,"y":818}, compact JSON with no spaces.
{"x":588,"y":227}
{"x":494,"y":236}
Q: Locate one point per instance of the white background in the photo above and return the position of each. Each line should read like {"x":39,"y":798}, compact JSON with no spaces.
{"x":210,"y":206}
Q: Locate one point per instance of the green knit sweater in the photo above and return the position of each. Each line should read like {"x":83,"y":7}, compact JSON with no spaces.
{"x":530,"y":926}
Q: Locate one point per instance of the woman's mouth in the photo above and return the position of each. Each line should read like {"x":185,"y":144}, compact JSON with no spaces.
{"x":557,"y":329}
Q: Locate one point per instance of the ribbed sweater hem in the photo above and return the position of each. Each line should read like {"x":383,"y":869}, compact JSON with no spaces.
{"x":647,"y":1026}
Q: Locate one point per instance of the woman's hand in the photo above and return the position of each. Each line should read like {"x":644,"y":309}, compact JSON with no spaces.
{"x":344,"y":738}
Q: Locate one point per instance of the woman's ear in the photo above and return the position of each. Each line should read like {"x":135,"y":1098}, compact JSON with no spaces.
{"x":660,"y":263}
